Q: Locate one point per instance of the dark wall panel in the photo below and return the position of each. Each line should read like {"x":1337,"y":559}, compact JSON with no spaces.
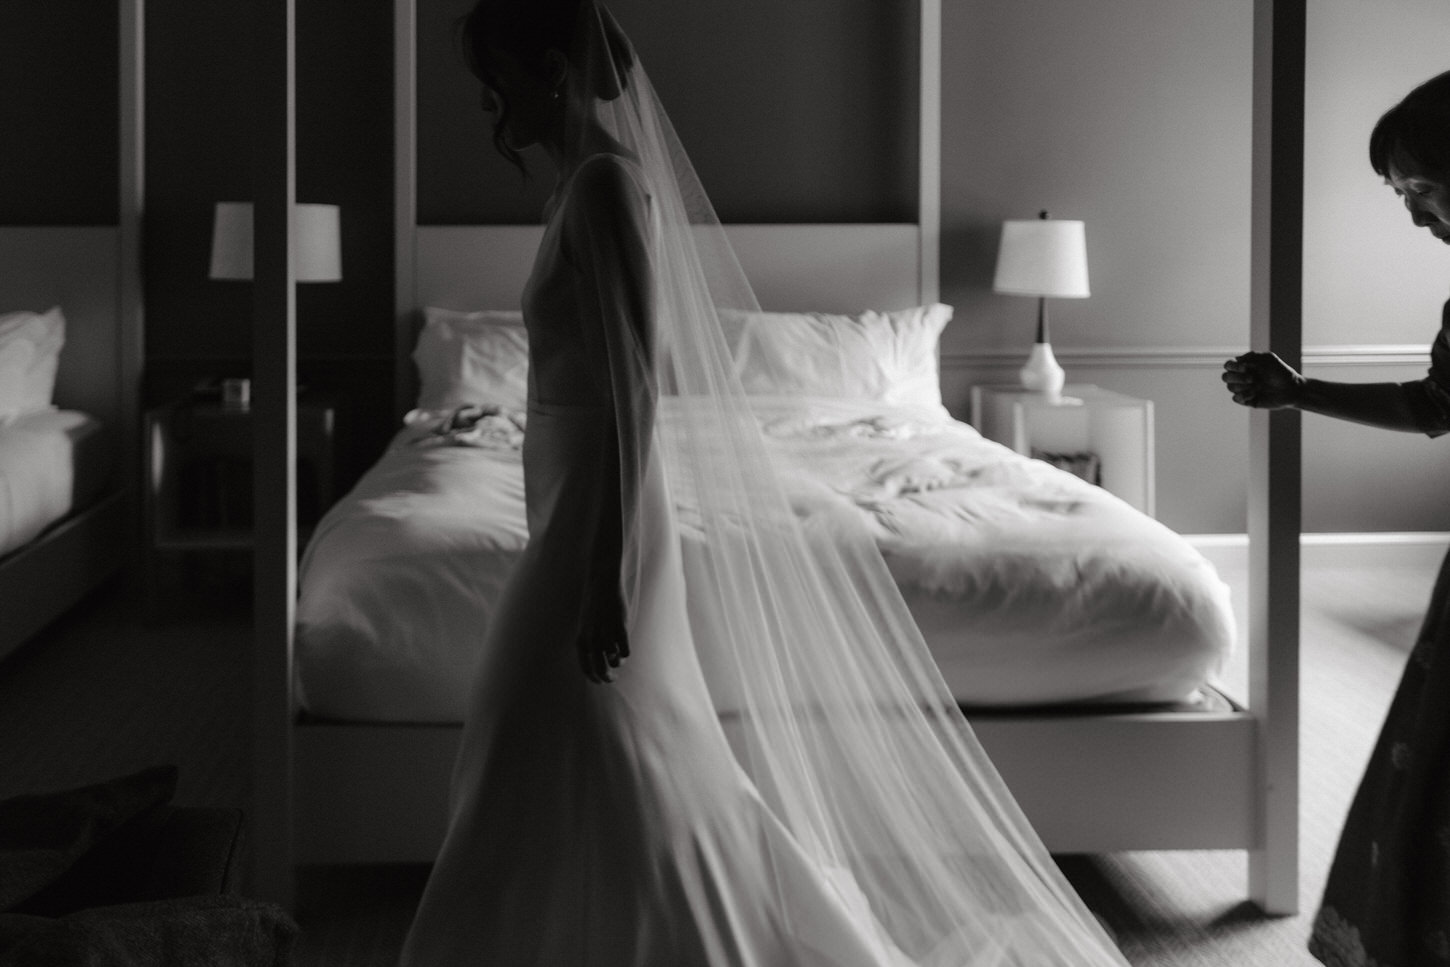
{"x":345,"y":158}
{"x":59,"y":96}
{"x":791,"y":112}
{"x":198,"y":116}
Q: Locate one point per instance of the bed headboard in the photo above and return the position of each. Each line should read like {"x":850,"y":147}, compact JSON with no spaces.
{"x":78,"y":269}
{"x":829,"y":268}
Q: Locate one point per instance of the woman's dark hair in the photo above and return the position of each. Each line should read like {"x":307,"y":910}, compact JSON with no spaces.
{"x":524,"y":29}
{"x":1417,"y":128}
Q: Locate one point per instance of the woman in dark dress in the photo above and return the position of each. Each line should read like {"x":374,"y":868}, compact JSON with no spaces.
{"x":1387,"y":902}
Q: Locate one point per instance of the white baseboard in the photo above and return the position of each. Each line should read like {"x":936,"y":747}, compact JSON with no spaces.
{"x":1379,"y":549}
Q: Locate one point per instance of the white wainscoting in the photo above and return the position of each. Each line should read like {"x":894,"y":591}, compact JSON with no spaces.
{"x":1356,"y":479}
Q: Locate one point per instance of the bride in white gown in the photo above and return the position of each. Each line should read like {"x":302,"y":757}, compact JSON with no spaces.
{"x":600,"y":816}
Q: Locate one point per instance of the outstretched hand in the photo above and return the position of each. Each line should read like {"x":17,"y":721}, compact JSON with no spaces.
{"x":603,"y":638}
{"x":1262,"y":380}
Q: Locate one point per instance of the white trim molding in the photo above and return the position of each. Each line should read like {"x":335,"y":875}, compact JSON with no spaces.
{"x":1135,"y":357}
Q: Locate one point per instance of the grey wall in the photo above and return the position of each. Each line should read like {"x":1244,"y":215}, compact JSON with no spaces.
{"x":1370,"y":277}
{"x":1134,"y":116}
{"x":1373,"y":282}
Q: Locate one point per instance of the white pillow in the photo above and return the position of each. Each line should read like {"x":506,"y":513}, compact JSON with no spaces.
{"x":890,"y":357}
{"x":472,"y":357}
{"x":30,"y":344}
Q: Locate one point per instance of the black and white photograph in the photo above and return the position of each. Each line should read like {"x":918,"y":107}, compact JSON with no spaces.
{"x":726,"y":483}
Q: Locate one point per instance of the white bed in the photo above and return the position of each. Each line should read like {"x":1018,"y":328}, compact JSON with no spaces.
{"x":1091,"y":778}
{"x":1033,"y":588}
{"x":65,"y":516}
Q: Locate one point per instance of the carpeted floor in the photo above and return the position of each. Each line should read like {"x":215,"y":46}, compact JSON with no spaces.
{"x":106,"y":692}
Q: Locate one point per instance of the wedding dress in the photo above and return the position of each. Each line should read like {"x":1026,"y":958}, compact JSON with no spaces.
{"x":608,"y":824}
{"x":849,"y":819}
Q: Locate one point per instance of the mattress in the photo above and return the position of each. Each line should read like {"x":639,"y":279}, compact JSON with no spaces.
{"x":52,"y":462}
{"x":1032,"y":587}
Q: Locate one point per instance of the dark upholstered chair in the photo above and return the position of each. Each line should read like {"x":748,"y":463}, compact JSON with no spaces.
{"x":114,"y":874}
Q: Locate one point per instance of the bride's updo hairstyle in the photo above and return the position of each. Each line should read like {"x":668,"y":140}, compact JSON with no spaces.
{"x":1416,"y":129}
{"x":528,"y":29}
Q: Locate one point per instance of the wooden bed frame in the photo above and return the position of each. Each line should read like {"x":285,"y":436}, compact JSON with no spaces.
{"x":93,"y":274}
{"x":1090,"y":783}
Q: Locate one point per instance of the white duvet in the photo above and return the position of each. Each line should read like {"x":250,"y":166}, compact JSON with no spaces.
{"x":1032,"y":587}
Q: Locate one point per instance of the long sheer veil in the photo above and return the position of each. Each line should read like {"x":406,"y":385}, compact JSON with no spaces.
{"x":834,"y":705}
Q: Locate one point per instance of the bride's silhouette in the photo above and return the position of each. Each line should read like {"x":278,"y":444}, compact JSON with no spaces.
{"x":601,"y":815}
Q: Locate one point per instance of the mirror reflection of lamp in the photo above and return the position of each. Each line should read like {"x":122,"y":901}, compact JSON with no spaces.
{"x":318,"y":254}
{"x":1046,"y":258}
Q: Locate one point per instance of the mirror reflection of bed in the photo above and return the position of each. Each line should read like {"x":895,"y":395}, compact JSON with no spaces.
{"x":70,"y":344}
{"x":1102,"y":630}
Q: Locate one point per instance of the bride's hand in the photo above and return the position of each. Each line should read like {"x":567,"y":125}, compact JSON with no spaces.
{"x":603,"y":640}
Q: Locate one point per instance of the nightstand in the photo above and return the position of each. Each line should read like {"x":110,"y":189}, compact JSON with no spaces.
{"x":199,"y":475}
{"x":1104,"y":436}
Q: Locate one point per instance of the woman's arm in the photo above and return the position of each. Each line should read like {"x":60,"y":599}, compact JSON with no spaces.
{"x":607,"y":243}
{"x":1265,"y":381}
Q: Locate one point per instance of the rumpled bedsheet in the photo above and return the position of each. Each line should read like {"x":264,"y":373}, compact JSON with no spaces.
{"x":1031,"y":586}
{"x":483,"y":425}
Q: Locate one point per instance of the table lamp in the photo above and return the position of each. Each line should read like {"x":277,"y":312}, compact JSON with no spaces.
{"x":1042,"y":257}
{"x":318,"y":245}
{"x":318,"y":256}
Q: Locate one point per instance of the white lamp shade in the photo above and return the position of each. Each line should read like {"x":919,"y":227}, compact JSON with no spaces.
{"x":1042,"y":257}
{"x":318,"y":244}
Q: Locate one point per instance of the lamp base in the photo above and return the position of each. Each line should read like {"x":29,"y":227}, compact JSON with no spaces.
{"x":1042,"y":374}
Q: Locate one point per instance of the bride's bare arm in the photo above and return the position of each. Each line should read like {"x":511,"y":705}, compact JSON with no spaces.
{"x":607,"y":242}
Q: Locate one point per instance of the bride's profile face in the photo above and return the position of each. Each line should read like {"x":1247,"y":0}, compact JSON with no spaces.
{"x":523,"y":99}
